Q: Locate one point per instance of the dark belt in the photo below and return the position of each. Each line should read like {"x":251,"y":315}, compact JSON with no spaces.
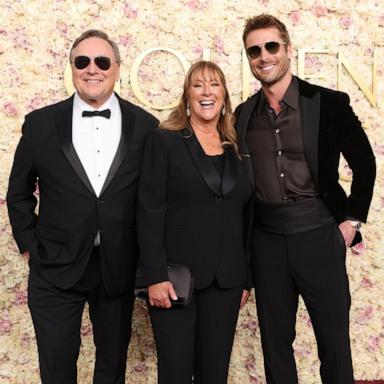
{"x":293,"y":217}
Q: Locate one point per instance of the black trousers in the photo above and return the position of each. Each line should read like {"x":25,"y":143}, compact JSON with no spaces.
{"x":310,"y":264}
{"x":196,"y":340}
{"x":56,"y":316}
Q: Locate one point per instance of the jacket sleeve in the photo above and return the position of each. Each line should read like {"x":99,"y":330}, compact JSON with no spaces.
{"x":355,"y":147}
{"x":21,"y":200}
{"x":151,"y":210}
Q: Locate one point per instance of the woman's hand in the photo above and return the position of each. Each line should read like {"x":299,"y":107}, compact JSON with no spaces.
{"x":160,"y":294}
{"x":244,"y":298}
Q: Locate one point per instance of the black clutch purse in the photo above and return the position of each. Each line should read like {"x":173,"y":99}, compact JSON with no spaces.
{"x":180,"y":277}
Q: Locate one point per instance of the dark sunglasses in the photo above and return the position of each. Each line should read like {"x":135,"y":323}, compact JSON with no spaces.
{"x":255,"y":51}
{"x":103,"y":63}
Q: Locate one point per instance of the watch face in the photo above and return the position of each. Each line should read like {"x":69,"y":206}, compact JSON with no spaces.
{"x":355,"y":224}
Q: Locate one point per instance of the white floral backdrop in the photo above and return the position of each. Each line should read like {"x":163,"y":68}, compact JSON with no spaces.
{"x":35,"y":37}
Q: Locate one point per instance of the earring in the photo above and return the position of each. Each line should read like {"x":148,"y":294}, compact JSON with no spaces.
{"x":188,"y":111}
{"x":223,"y":111}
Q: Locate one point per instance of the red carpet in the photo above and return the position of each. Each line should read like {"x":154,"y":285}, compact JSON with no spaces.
{"x":370,"y":382}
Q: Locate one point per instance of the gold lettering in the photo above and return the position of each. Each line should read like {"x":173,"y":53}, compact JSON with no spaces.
{"x":135,"y":79}
{"x":246,"y":75}
{"x":371,"y":95}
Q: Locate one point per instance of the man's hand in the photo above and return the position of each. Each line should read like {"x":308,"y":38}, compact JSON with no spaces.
{"x":348,"y":231}
{"x":160,"y":294}
{"x":244,"y":298}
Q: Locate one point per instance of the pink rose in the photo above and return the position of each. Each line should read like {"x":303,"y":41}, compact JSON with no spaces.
{"x":9,"y":108}
{"x":5,"y":326}
{"x":320,"y":10}
{"x":345,"y":22}
{"x":365,"y":315}
{"x":125,"y":40}
{"x":129,"y":12}
{"x":219,"y":44}
{"x":198,"y":50}
{"x":251,"y":324}
{"x":141,"y":368}
{"x":373,"y":343}
{"x":62,"y":27}
{"x":21,"y":298}
{"x":294,"y":16}
{"x":192,"y":4}
{"x":366,"y":283}
{"x":35,"y":102}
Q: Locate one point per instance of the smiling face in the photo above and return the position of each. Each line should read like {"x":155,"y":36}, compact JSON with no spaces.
{"x":94,"y":85}
{"x":269,"y":68}
{"x":206,"y":95}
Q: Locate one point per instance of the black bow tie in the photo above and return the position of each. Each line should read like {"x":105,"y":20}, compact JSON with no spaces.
{"x":106,"y":113}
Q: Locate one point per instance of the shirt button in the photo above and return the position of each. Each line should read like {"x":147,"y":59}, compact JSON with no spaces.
{"x":285,"y":197}
{"x":98,"y":151}
{"x":278,"y":153}
{"x":277,"y":130}
{"x":97,"y":128}
{"x":282,"y":174}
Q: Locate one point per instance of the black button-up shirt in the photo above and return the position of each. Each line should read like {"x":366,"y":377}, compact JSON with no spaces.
{"x":276,"y":143}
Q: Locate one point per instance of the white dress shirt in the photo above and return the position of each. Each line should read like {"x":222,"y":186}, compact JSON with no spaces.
{"x":96,"y":139}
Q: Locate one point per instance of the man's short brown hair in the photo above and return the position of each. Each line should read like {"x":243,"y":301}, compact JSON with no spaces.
{"x":99,"y":34}
{"x":265,"y":21}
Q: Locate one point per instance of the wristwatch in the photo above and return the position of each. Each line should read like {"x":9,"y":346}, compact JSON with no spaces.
{"x":356,"y":224}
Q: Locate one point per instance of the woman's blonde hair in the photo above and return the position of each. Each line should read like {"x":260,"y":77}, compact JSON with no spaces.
{"x":178,"y":119}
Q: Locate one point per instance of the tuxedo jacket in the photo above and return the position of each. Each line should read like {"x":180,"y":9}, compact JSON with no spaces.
{"x":329,"y":128}
{"x":187,"y":216}
{"x":60,"y":238}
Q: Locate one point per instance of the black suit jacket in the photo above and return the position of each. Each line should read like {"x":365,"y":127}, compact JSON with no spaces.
{"x":60,"y":238}
{"x":330,"y":128}
{"x":186,"y":217}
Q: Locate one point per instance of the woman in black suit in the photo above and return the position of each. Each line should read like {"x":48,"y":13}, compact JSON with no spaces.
{"x":193,"y":197}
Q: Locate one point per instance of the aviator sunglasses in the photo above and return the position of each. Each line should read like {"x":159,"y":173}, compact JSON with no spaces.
{"x":102,"y":62}
{"x":255,"y":51}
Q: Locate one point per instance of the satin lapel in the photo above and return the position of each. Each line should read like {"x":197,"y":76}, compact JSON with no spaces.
{"x":310,"y":119}
{"x":205,"y":167}
{"x":242,"y":126}
{"x":127,"y":125}
{"x":64,"y":132}
{"x":230,"y":171}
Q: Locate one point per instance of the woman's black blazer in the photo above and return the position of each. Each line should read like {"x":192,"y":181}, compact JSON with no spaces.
{"x":188,"y":215}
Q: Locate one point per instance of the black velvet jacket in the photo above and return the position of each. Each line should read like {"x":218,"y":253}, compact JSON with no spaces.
{"x":330,"y":128}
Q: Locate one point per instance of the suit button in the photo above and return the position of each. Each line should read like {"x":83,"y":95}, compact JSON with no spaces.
{"x":218,"y":198}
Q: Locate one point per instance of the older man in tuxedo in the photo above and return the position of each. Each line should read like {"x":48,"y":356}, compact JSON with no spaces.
{"x":84,"y":155}
{"x":291,"y":134}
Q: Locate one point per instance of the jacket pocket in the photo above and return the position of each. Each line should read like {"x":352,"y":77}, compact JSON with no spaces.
{"x":51,"y":234}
